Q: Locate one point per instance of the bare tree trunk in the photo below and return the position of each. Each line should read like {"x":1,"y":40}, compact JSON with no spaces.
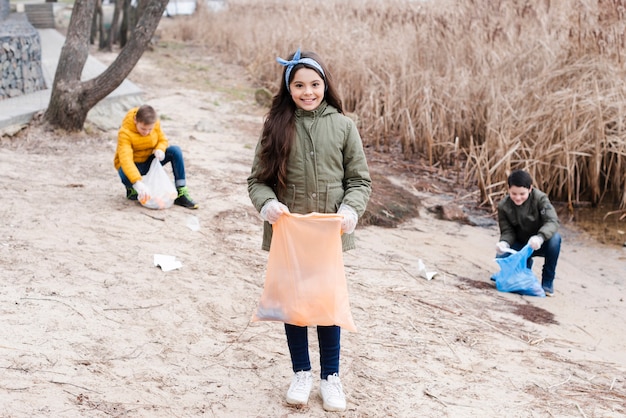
{"x":113,"y":30}
{"x":71,"y":98}
{"x":141,"y":7}
{"x":101,"y":31}
{"x":125,"y":26}
{"x":94,"y":22}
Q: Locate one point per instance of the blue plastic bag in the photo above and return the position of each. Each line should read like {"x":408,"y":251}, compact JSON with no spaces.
{"x":515,"y":277}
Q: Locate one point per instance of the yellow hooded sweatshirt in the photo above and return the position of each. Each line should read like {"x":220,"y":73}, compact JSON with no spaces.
{"x":133,"y":148}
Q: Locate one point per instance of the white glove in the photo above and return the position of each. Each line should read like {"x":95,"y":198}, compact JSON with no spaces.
{"x":502,"y":247}
{"x":350,"y":218}
{"x":272,"y":210}
{"x":535,"y":242}
{"x":159,"y":155}
{"x":143,"y":195}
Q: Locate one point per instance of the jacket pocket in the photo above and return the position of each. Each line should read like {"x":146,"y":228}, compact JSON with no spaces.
{"x":290,"y":196}
{"x":334,"y":196}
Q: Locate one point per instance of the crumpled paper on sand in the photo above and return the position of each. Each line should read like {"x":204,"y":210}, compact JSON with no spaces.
{"x":166,"y":262}
{"x":421,"y":270}
{"x":193,"y":223}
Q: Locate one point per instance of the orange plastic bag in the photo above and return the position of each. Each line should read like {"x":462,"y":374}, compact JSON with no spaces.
{"x":305,"y":281}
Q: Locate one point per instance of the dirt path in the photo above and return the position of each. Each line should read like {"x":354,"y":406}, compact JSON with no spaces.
{"x":91,"y":328}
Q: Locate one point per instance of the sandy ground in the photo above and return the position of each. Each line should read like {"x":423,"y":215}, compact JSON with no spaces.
{"x":89,"y":327}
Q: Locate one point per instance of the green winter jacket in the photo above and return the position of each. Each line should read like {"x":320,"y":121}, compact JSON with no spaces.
{"x":536,"y":216}
{"x":326,"y":167}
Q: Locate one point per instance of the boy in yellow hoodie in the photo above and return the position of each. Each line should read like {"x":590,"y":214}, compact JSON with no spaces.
{"x":139,"y":141}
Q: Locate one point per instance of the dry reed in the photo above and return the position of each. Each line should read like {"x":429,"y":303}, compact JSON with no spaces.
{"x":479,"y":86}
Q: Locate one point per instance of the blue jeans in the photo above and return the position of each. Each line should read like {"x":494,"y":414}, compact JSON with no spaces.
{"x":173,"y":155}
{"x":549,"y":250}
{"x":329,"y":340}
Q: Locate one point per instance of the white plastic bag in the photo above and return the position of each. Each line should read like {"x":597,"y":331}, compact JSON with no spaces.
{"x":161,"y":189}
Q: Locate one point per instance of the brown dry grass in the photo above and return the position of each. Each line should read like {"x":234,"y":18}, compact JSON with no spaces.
{"x":477,"y":86}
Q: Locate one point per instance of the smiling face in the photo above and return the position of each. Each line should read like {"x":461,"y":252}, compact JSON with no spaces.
{"x":307,"y":89}
{"x":519,"y":194}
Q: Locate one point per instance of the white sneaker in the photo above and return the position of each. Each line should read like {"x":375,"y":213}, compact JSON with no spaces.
{"x":301,"y":384}
{"x":332,"y":394}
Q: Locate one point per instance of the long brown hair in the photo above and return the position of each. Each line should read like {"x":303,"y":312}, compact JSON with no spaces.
{"x":279,"y":126}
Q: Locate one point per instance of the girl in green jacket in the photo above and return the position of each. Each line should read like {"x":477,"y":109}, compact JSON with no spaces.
{"x":310,"y":158}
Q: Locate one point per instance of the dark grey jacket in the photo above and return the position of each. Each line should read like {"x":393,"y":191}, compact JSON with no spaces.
{"x":326,"y":167}
{"x":536,"y":216}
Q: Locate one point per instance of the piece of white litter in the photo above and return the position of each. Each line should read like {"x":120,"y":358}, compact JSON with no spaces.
{"x":166,"y":262}
{"x":421,"y":270}
{"x":193,"y":223}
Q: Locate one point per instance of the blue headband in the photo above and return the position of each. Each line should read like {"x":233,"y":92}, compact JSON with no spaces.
{"x":297,"y":60}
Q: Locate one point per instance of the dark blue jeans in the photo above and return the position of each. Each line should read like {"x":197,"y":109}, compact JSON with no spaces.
{"x":549,"y":250}
{"x":173,"y":155}
{"x":329,"y":340}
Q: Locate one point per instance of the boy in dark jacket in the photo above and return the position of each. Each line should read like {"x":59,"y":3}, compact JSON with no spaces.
{"x":526,"y":216}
